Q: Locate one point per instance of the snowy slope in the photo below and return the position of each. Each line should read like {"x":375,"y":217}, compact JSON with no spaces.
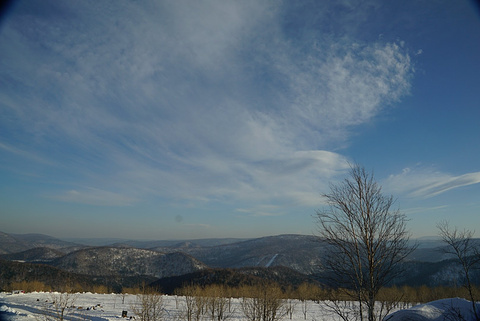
{"x":440,"y":310}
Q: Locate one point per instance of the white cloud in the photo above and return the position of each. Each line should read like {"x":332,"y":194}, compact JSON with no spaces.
{"x":203,"y":101}
{"x":262,"y":211}
{"x":425,"y":182}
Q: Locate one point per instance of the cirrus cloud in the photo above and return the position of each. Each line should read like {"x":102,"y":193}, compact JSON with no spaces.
{"x":210,"y":101}
{"x":424,"y":182}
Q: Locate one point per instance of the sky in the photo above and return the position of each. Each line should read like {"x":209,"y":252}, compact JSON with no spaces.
{"x":212,"y":119}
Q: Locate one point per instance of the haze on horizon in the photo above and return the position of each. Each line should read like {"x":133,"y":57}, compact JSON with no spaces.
{"x":185,"y":119}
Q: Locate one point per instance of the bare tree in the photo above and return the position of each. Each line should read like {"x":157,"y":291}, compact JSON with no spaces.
{"x":218,"y":305}
{"x":290,"y":304}
{"x":60,"y":305}
{"x":194,"y":303}
{"x":367,"y":239}
{"x":467,"y":252}
{"x":264,"y":303}
{"x":149,"y":306}
{"x":306,"y":292}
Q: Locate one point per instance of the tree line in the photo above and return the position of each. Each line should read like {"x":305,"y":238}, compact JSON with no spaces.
{"x":306,"y":291}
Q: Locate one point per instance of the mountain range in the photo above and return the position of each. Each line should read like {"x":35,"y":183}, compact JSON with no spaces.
{"x":14,"y":243}
{"x":281,"y":256}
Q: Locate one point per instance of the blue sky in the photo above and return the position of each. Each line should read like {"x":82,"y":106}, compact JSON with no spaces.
{"x":188,"y":119}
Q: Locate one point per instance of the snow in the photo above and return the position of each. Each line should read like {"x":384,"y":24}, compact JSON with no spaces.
{"x":109,"y":307}
{"x":440,"y":310}
{"x":271,"y":260}
{"x":25,"y":307}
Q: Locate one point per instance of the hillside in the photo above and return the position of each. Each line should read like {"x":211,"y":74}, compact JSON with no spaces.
{"x":38,"y":254}
{"x":9,"y":244}
{"x":11,"y":272}
{"x":301,"y":253}
{"x":108,"y":261}
{"x":14,"y":243}
{"x":282,"y":276}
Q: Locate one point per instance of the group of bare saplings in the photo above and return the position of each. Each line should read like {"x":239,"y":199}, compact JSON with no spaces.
{"x":265,"y":302}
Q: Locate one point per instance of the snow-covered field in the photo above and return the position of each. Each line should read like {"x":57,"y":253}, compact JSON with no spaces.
{"x":109,"y":307}
{"x":105,"y":307}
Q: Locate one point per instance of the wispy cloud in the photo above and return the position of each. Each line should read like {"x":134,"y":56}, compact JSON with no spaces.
{"x":415,"y":210}
{"x":198,"y":225}
{"x":94,"y":196}
{"x":425,"y":182}
{"x":25,"y":154}
{"x":211,"y":101}
{"x":262,"y":211}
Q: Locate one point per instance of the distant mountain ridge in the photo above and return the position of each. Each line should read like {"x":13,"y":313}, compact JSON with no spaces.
{"x":14,"y":243}
{"x":38,"y":254}
{"x":146,"y":244}
{"x":301,"y":253}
